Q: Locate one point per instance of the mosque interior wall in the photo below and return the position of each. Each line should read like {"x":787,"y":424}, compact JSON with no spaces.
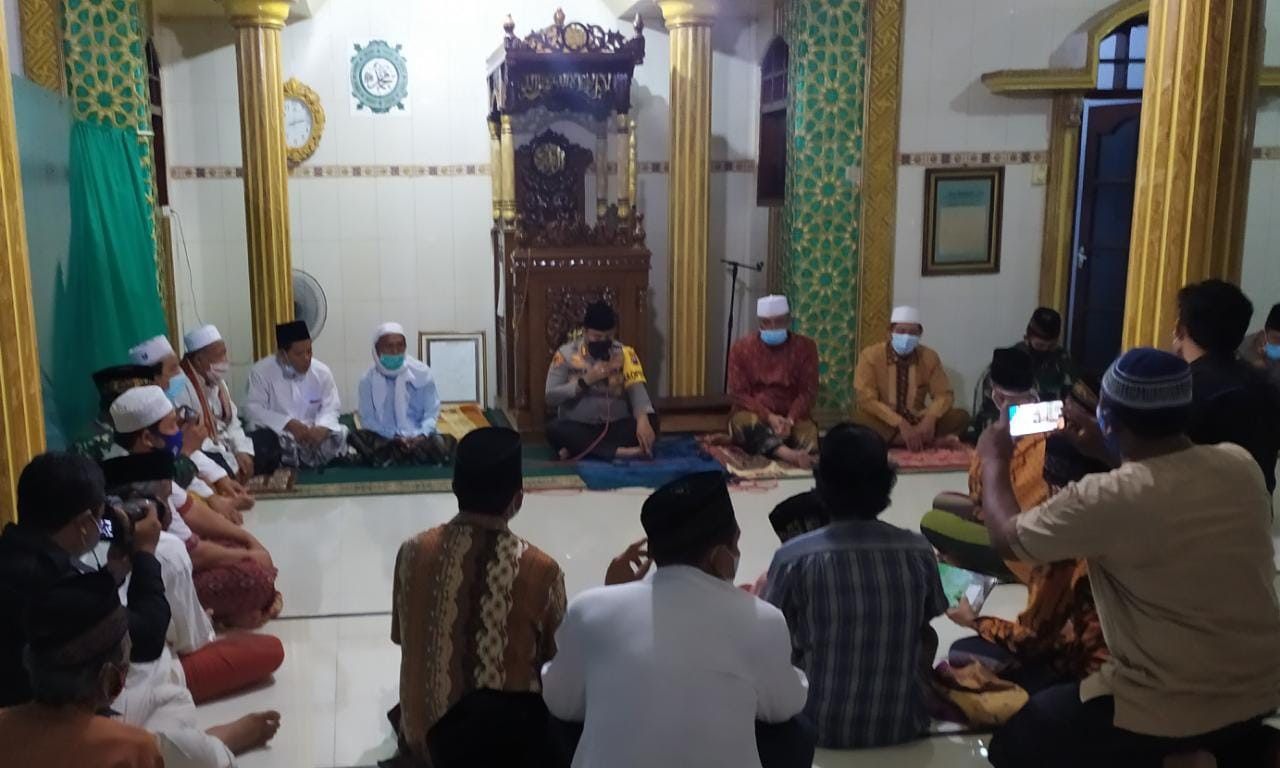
{"x":416,"y":248}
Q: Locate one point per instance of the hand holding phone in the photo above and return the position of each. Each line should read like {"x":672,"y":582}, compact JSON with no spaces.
{"x":1036,"y":418}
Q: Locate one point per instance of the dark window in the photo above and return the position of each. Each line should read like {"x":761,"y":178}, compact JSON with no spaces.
{"x":1122,"y":57}
{"x":771,"y":167}
{"x":157,"y":127}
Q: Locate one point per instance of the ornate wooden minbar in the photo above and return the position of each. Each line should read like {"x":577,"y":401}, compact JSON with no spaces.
{"x":550,"y":258}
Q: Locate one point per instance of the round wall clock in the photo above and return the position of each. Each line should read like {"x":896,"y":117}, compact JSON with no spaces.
{"x":379,"y":77}
{"x":303,"y":121}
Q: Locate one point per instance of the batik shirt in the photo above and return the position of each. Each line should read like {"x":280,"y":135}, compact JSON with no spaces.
{"x":473,"y":606}
{"x":765,"y":380}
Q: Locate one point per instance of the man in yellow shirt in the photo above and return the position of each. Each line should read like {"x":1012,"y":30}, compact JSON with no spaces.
{"x":902,"y":391}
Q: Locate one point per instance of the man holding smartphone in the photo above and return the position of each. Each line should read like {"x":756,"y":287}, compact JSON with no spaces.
{"x":60,"y":505}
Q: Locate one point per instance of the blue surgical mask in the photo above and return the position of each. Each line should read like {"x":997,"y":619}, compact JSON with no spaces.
{"x":905,"y":343}
{"x":172,"y":443}
{"x":1273,"y":351}
{"x":391,"y":362}
{"x":177,"y":385}
{"x":773,"y":337}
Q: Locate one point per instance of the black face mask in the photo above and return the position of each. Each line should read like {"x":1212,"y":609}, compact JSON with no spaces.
{"x":600,"y":350}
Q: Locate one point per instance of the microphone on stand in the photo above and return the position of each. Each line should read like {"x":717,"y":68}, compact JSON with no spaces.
{"x":734,"y":266}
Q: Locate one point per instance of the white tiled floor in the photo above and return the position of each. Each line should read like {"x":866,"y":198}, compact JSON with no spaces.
{"x":340,"y":674}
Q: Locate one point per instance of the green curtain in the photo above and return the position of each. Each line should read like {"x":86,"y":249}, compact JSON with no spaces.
{"x":110,"y":300}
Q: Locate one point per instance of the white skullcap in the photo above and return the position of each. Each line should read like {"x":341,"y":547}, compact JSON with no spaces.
{"x":905,"y":314}
{"x":138,"y":408}
{"x":388,"y":329}
{"x":201,"y":337}
{"x":772,"y":306}
{"x":151,"y":351}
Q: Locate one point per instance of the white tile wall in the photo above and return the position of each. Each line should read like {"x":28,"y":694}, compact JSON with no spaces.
{"x":418,"y":250}
{"x":948,"y":45}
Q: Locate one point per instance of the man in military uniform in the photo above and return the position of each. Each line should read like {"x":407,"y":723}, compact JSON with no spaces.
{"x":596,"y":386}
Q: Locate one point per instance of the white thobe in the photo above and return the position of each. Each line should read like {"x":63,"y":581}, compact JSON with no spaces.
{"x":226,"y":435}
{"x":672,"y":670}
{"x":275,"y":399}
{"x":156,"y":699}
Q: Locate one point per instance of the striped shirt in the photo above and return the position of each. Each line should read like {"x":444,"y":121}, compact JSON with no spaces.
{"x":858,"y":596}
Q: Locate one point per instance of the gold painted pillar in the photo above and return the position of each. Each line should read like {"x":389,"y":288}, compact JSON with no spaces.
{"x":1057,"y":259}
{"x":508,"y":148}
{"x":632,"y":193}
{"x":624,"y":165}
{"x":602,"y":169}
{"x":495,"y":168}
{"x":21,"y":409}
{"x":689,"y":190}
{"x":1198,"y":112}
{"x":266,"y":169}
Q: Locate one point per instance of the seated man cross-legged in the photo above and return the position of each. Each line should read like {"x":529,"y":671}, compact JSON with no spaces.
{"x":399,"y":406}
{"x":293,"y":403}
{"x":858,"y":595}
{"x":474,"y":610}
{"x":773,"y":380}
{"x":207,"y":367}
{"x":1181,"y":564}
{"x":596,"y":387}
{"x":954,"y":525}
{"x":234,"y":574}
{"x":902,"y":391}
{"x":680,"y":667}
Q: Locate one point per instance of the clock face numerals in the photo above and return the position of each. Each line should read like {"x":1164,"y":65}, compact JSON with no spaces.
{"x":298,"y":123}
{"x":303,"y":121}
{"x":379,"y":78}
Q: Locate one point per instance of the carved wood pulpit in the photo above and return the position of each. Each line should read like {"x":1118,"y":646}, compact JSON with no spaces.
{"x":551,"y":258}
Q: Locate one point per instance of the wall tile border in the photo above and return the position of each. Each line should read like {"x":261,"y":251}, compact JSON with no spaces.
{"x":963,"y":159}
{"x":1013,"y":157}
{"x":186,"y":172}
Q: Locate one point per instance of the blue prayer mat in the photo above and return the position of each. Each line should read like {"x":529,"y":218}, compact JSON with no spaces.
{"x":674,"y":457}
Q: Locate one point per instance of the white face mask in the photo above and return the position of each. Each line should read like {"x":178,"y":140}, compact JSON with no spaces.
{"x":218,"y":371}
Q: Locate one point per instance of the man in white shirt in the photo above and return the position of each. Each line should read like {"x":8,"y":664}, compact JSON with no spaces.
{"x":157,"y":353}
{"x":206,"y":366}
{"x":296,"y":399}
{"x":677,"y":668}
{"x":1181,"y":563}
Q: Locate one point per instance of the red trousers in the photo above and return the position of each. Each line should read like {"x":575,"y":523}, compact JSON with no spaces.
{"x":231,"y":664}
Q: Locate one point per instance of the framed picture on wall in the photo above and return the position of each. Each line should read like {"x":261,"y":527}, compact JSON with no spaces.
{"x":459,"y":364}
{"x":962,"y":211}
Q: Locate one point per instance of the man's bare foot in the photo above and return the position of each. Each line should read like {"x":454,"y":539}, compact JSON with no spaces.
{"x":564,"y":454}
{"x":796,"y":458}
{"x":634,"y":452}
{"x":244,"y":502}
{"x":249,"y":732}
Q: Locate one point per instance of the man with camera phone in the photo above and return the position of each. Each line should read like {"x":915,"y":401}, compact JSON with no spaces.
{"x":61,"y":511}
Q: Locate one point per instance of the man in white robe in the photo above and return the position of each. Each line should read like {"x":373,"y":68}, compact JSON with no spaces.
{"x":207,"y":366}
{"x":212,"y":477}
{"x":295,"y":398}
{"x":399,"y":406}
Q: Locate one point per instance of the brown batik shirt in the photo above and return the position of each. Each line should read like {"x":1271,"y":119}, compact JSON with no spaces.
{"x":473,"y":606}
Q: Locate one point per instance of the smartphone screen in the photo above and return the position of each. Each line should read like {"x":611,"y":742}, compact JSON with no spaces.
{"x":106,"y":531}
{"x":1035,"y":418}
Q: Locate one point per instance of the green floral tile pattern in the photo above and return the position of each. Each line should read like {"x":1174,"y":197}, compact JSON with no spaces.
{"x":826,"y":79}
{"x":103,"y":48}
